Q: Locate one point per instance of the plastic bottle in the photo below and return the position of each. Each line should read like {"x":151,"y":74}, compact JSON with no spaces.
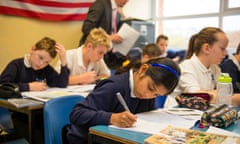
{"x":224,"y":89}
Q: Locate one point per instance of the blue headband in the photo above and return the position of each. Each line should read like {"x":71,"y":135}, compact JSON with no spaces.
{"x":166,"y":68}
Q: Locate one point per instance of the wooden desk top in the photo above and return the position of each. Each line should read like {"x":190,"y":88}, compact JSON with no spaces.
{"x":5,"y":104}
{"x":118,"y":135}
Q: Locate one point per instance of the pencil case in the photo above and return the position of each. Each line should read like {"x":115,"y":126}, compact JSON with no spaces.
{"x":199,"y":101}
{"x":219,"y":116}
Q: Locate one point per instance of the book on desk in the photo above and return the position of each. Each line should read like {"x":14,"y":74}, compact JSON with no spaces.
{"x":24,"y":102}
{"x":185,"y":136}
{"x":51,"y":93}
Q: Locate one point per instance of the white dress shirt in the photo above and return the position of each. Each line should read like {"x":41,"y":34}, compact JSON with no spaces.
{"x":195,"y":77}
{"x":76,"y":66}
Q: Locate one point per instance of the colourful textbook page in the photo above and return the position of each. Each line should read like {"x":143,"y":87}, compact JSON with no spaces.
{"x":174,"y":135}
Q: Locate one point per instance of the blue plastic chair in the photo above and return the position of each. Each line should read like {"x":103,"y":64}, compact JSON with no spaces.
{"x":160,"y":101}
{"x":56,"y":116}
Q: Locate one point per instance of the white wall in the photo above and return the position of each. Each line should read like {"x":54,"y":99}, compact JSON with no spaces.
{"x":138,"y":9}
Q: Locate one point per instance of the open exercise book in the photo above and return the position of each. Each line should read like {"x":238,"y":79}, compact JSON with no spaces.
{"x":50,"y":93}
{"x":156,"y":123}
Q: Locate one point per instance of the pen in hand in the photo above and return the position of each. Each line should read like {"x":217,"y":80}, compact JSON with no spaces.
{"x":121,"y":100}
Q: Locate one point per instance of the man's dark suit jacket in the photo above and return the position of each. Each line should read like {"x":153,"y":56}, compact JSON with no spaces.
{"x":99,"y":15}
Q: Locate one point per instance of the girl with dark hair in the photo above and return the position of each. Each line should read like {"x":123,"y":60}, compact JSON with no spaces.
{"x":139,"y":86}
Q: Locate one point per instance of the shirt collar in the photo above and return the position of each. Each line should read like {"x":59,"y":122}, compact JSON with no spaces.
{"x":80,"y":60}
{"x":131,"y":83}
{"x":201,"y":66}
{"x":26,"y":60}
{"x":114,"y":5}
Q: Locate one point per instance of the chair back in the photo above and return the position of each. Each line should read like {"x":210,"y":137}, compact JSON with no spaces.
{"x":160,"y":101}
{"x":56,"y":115}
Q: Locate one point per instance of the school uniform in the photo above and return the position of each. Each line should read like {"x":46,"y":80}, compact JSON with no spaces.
{"x":232,"y":66}
{"x":76,"y":66}
{"x":194,"y":77}
{"x":98,"y":107}
{"x":19,"y":71}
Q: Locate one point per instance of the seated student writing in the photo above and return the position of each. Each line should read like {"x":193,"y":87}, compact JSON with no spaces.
{"x":231,"y":65}
{"x":200,"y":69}
{"x":139,"y":87}
{"x":33,"y":72}
{"x":86,"y":63}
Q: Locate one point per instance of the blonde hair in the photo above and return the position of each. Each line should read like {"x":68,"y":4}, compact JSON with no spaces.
{"x":97,"y":37}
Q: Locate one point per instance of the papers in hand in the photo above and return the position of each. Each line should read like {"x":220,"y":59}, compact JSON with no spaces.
{"x":129,"y":35}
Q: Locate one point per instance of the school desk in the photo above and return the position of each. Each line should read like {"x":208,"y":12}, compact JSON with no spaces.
{"x":108,"y":135}
{"x":31,"y":112}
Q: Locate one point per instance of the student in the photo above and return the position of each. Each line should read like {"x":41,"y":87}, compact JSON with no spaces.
{"x":200,"y":69}
{"x":162,"y":42}
{"x":232,"y":66}
{"x":150,"y":51}
{"x":139,"y":87}
{"x":33,"y":72}
{"x":86,"y":63}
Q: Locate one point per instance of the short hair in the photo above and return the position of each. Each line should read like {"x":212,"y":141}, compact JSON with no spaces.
{"x":48,"y":45}
{"x":152,"y":50}
{"x":161,"y":36}
{"x":97,"y":37}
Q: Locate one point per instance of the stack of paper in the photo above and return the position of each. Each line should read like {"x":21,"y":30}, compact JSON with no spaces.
{"x":81,"y":90}
{"x":22,"y":102}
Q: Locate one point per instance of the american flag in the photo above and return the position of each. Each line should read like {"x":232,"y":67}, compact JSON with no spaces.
{"x":51,"y":10}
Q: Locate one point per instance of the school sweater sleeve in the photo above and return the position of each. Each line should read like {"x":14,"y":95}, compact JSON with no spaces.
{"x":55,"y":79}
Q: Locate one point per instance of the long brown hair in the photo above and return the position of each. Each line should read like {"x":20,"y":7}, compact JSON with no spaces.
{"x":206,"y":35}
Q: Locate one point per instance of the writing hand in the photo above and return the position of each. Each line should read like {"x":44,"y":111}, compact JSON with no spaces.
{"x":124,"y":119}
{"x":88,"y":77}
{"x":37,"y":86}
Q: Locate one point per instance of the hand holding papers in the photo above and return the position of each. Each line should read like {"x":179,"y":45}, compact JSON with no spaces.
{"x":129,"y":36}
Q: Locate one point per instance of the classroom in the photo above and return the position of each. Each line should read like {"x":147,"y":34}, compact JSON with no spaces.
{"x":24,"y":23}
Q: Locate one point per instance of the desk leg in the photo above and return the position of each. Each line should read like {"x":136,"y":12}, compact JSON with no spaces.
{"x":35,"y":133}
{"x":90,"y":141}
{"x":31,"y":122}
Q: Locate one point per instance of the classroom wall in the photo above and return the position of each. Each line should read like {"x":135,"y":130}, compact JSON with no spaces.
{"x":19,"y":34}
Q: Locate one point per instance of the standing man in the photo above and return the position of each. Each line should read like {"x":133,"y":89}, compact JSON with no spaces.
{"x":104,"y":14}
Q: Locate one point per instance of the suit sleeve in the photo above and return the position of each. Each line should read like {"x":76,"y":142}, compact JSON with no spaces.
{"x":93,"y":17}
